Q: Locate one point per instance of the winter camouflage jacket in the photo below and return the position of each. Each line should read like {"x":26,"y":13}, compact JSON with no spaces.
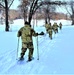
{"x":55,"y":26}
{"x":26,"y":33}
{"x":48,"y":28}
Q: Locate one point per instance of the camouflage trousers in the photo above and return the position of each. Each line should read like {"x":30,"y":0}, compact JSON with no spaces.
{"x":55,"y":31}
{"x":50,"y":35}
{"x":60,"y":28}
{"x":50,"y":32}
{"x":24,"y":49}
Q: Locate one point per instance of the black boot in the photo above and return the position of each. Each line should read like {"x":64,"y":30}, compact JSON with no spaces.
{"x":30,"y":59}
{"x":21,"y":58}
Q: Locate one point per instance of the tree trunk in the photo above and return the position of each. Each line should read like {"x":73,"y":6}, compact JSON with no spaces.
{"x":30,"y":18}
{"x":72,"y":18}
{"x":72,"y":22}
{"x":6,"y":16}
{"x":46,"y":20}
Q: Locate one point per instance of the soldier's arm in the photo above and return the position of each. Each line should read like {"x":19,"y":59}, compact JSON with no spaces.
{"x":34,"y":33}
{"x":19,"y":32}
{"x":57,"y":25}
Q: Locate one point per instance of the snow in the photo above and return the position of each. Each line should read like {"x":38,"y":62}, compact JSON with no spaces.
{"x":56,"y":56}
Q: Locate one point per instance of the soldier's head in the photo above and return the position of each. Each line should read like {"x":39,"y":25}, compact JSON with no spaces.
{"x":50,"y":24}
{"x":26,"y":23}
{"x":55,"y":22}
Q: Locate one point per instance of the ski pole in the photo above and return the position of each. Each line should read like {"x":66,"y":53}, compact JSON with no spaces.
{"x":17,"y":49}
{"x":37,"y":50}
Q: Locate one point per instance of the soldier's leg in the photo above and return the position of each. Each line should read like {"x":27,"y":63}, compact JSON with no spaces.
{"x":30,"y":53}
{"x":60,"y":28}
{"x":57,"y":30}
{"x":50,"y":36}
{"x":23,"y":50}
{"x":31,"y":50}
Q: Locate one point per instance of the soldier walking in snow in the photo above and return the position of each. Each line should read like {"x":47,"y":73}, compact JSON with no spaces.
{"x":60,"y":25}
{"x":26,"y":34}
{"x":55,"y":28}
{"x":49,"y":30}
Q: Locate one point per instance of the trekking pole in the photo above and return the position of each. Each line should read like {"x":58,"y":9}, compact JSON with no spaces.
{"x":37,"y":50}
{"x":17,"y":49}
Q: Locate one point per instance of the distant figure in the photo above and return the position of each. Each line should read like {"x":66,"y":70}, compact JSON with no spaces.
{"x":55,"y":27}
{"x":60,"y":25}
{"x":49,"y":30}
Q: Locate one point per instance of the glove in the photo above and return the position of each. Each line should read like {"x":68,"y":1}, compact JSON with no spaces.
{"x":42,"y":33}
{"x":36,"y":34}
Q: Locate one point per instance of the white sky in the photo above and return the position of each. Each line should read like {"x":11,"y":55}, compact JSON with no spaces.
{"x":15,"y":4}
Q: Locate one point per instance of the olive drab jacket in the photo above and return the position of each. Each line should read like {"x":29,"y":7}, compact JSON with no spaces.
{"x":55,"y":26}
{"x":26,"y":33}
{"x":48,"y":28}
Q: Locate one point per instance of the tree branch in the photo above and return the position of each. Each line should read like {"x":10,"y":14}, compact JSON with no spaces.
{"x":11,"y":3}
{"x":37,"y":8}
{"x":2,"y":5}
{"x":67,"y":10}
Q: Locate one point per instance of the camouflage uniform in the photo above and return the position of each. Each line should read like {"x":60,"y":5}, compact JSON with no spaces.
{"x":60,"y":25}
{"x":55,"y":28}
{"x":49,"y":30}
{"x":47,"y":26}
{"x":26,"y":34}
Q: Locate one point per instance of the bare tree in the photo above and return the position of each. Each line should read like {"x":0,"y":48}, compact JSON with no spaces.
{"x":48,"y":9}
{"x":32,"y":5}
{"x":35,"y":4}
{"x":24,"y":8}
{"x":70,"y":9}
{"x":6,"y":4}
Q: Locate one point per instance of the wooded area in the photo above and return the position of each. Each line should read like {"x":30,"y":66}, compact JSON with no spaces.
{"x":32,"y":6}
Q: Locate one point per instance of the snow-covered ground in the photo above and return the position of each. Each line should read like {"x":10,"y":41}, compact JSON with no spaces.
{"x":56,"y":56}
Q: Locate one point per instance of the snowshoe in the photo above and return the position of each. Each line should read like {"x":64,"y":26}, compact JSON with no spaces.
{"x":21,"y":59}
{"x":30,"y":59}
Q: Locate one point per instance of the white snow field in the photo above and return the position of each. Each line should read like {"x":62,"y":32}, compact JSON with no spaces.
{"x":56,"y":56}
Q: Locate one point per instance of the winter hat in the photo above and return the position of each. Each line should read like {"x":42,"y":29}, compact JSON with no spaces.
{"x":26,"y":23}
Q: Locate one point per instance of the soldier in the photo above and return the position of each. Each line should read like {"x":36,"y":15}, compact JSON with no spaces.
{"x":55,"y":28}
{"x":46,"y":26}
{"x":26,"y":34}
{"x":60,"y":25}
{"x":49,"y":30}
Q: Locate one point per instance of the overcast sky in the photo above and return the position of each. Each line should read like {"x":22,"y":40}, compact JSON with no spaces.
{"x":15,"y":4}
